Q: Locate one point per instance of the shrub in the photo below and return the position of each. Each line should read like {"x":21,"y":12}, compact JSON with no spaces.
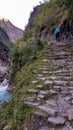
{"x":25,"y":55}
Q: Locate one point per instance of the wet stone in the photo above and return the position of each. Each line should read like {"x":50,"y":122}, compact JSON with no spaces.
{"x":44,"y":68}
{"x":71,"y":83}
{"x":47,"y":82}
{"x":63,"y":104}
{"x":51,"y":102}
{"x":25,"y":128}
{"x":65,"y":128}
{"x":56,"y":120}
{"x":41,"y":96}
{"x":32,"y":103}
{"x":58,"y":71}
{"x":69,"y":126}
{"x":71,"y":92}
{"x":71,"y":88}
{"x":53,"y":91}
{"x":7,"y":127}
{"x":39,"y":113}
{"x":45,"y":72}
{"x":49,"y":43}
{"x":45,"y":128}
{"x":45,"y":60}
{"x":67,"y":77}
{"x":47,"y":109}
{"x":60,"y":82}
{"x":39,"y":75}
{"x":31,"y":99}
{"x":65,"y":92}
{"x":67,"y":98}
{"x":43,"y":92}
{"x":41,"y":78}
{"x":53,"y":77}
{"x":32,"y":91}
{"x":34,"y":81}
{"x":70,"y":114}
{"x":57,"y":88}
{"x":38,"y":99}
{"x":40,"y":86}
{"x":72,"y":101}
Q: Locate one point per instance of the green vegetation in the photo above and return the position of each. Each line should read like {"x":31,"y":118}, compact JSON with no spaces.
{"x":27,"y":56}
{"x":43,"y":20}
{"x":67,"y":4}
{"x":16,"y":113}
{"x":48,"y":16}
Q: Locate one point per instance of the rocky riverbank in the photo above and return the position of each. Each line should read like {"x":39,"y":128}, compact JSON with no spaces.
{"x":4,"y":70}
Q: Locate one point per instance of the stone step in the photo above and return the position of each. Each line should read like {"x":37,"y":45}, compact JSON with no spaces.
{"x":52,"y":102}
{"x":53,"y":98}
{"x":56,"y":120}
{"x":45,"y":128}
{"x":48,"y":82}
{"x":60,"y":82}
{"x":34,"y":81}
{"x":48,"y":109}
{"x":41,"y":78}
{"x":32,"y":91}
{"x":40,"y":86}
{"x":40,"y":114}
{"x":43,"y":92}
{"x":31,"y":103}
{"x":41,"y":96}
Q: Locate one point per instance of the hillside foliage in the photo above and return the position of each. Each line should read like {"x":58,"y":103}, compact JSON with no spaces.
{"x":48,"y":16}
{"x":28,"y":55}
{"x":25,"y":55}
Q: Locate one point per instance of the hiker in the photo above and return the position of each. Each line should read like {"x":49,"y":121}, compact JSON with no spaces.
{"x":57,"y":33}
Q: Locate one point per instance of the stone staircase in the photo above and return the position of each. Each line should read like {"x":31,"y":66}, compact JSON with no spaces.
{"x":53,"y":97}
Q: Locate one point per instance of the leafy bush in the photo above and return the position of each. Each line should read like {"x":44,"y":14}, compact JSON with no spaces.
{"x":27,"y":34}
{"x":25,"y":55}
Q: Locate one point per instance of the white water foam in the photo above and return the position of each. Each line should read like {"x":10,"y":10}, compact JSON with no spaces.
{"x":4,"y":94}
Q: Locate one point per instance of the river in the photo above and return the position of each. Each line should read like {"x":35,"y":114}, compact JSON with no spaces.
{"x":4,"y":94}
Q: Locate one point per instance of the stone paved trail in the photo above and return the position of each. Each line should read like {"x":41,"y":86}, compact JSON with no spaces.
{"x":54,"y":98}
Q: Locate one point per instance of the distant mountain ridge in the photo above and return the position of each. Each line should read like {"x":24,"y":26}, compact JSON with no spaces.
{"x":8,"y":35}
{"x":12,"y":31}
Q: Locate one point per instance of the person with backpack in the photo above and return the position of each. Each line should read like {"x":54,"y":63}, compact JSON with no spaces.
{"x":57,"y":33}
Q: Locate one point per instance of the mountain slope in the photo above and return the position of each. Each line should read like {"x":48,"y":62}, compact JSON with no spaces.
{"x":5,"y":46}
{"x":46,"y":17}
{"x":42,"y":98}
{"x":13,"y":32}
{"x":42,"y":95}
{"x":5,"y":38}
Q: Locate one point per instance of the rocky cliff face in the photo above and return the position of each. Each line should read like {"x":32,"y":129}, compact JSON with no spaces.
{"x":4,"y":54}
{"x":5,"y":44}
{"x":13,"y":32}
{"x":32,"y":17}
{"x":5,"y":38}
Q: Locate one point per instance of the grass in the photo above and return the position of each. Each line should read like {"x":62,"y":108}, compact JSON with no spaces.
{"x":16,"y":113}
{"x":28,"y":56}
